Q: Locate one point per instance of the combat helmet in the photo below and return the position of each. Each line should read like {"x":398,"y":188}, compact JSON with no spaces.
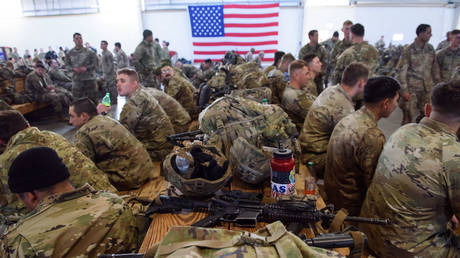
{"x":197,"y":169}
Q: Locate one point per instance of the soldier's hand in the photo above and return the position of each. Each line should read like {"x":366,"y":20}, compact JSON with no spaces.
{"x":83,"y":69}
{"x":454,"y":222}
{"x":76,"y":70}
{"x":406,"y":96}
{"x":101,"y":108}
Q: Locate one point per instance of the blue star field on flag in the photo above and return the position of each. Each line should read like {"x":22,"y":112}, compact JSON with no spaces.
{"x":207,"y":20}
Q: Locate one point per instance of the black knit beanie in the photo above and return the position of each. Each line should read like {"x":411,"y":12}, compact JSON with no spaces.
{"x":36,"y":168}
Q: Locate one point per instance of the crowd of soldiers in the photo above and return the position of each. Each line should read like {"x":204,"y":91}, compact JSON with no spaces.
{"x":410,"y":179}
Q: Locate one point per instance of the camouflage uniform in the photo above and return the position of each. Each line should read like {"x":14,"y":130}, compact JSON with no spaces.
{"x":82,"y":222}
{"x":448,"y":59}
{"x":269,"y":69}
{"x":419,"y":72}
{"x":37,"y":89}
{"x":443,"y":44}
{"x":311,"y":88}
{"x":143,"y":61}
{"x":322,"y":54}
{"x":122,"y":59}
{"x":205,"y":75}
{"x":296,"y":104}
{"x":178,"y":116}
{"x":416,"y":186}
{"x":59,"y":78}
{"x":358,"y":52}
{"x":277,"y":83}
{"x":146,"y":120}
{"x":115,"y":151}
{"x":339,"y":47}
{"x":82,"y":170}
{"x":84,"y":84}
{"x":329,"y":108}
{"x":183,"y":91}
{"x":157,"y":53}
{"x":8,"y":87}
{"x":110,"y":77}
{"x":352,"y":155}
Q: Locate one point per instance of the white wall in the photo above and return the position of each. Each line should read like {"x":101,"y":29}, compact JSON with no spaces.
{"x":380,"y":20}
{"x":116,"y":21}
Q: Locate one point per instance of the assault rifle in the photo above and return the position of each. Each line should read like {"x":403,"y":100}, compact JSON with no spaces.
{"x":327,"y":241}
{"x":177,"y":139}
{"x":246,"y":214}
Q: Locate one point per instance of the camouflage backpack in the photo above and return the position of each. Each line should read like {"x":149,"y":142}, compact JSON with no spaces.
{"x":241,"y":127}
{"x":256,"y":94}
{"x":272,"y":241}
{"x":197,"y":170}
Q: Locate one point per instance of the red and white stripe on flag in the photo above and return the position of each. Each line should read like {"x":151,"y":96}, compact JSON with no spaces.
{"x":246,"y":26}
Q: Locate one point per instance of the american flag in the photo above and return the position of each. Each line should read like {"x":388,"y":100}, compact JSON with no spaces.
{"x":239,"y":27}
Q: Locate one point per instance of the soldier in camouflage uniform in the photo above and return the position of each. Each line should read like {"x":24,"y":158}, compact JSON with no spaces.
{"x":111,"y":146}
{"x":313,"y":47}
{"x":415,"y":184}
{"x":143,"y":116}
{"x":64,"y":221}
{"x":144,"y":61}
{"x":82,"y":62}
{"x":355,"y":146}
{"x":254,"y":79}
{"x":109,"y":75}
{"x":314,"y":64}
{"x":449,"y":57}
{"x":180,"y":89}
{"x":8,"y":85}
{"x":19,"y":137}
{"x":278,"y":78}
{"x":121,"y":57}
{"x":418,"y":73}
{"x":58,"y":77}
{"x":333,"y":104}
{"x":178,"y":116}
{"x":445,"y":43}
{"x":296,"y":101}
{"x":360,"y":51}
{"x":276,"y":62}
{"x":39,"y":88}
{"x":206,"y":72}
{"x":339,"y":47}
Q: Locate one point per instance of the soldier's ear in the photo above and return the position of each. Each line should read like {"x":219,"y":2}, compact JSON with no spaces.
{"x":427,"y":109}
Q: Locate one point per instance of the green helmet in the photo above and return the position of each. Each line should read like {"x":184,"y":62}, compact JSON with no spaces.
{"x":197,"y":170}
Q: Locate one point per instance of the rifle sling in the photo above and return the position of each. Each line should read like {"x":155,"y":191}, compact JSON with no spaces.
{"x":358,"y":248}
{"x":338,"y":220}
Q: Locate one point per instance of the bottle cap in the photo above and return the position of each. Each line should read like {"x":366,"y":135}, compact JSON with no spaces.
{"x":283,"y":153}
{"x":310,"y":163}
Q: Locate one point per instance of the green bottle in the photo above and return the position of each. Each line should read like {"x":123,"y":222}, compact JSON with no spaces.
{"x":106,"y":100}
{"x":265,"y":102}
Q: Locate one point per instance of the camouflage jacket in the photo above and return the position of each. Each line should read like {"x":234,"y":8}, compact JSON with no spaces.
{"x":146,"y":120}
{"x":143,"y":59}
{"x":311,"y":88}
{"x":78,"y":57}
{"x":296,"y":104}
{"x":82,"y":223}
{"x":443,"y":44}
{"x":183,"y":91}
{"x":122,"y":59}
{"x":178,"y":116}
{"x":418,"y":68}
{"x":57,"y":75}
{"x":352,"y":155}
{"x":329,"y":108}
{"x":277,"y":83}
{"x":189,"y":70}
{"x":448,"y":59}
{"x":251,"y":80}
{"x":319,"y":51}
{"x":415,"y":185}
{"x":269,"y":69}
{"x":115,"y":151}
{"x":36,"y":86}
{"x":157,"y":53}
{"x":108,"y":65}
{"x":338,"y":49}
{"x":82,"y":170}
{"x":358,"y":52}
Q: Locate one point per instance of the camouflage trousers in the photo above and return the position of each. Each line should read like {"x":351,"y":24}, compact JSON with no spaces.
{"x":59,"y":99}
{"x":414,"y":109}
{"x":87,"y":88}
{"x":149,"y":80}
{"x":110,"y":86}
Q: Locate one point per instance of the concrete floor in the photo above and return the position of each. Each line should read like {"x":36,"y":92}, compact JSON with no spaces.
{"x":46,"y":120}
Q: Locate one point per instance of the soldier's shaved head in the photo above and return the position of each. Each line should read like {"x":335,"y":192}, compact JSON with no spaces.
{"x":131,"y":73}
{"x":11,"y":122}
{"x":445,"y":99}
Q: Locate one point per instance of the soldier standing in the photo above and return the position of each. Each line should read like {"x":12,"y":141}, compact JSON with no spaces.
{"x":64,"y":221}
{"x":360,"y":51}
{"x":122,"y":58}
{"x":449,"y":57}
{"x":82,"y":62}
{"x":111,"y":146}
{"x":340,"y":46}
{"x":108,"y":70}
{"x":333,"y":104}
{"x":445,"y":43}
{"x":415,"y":184}
{"x":355,"y":146}
{"x":314,"y":48}
{"x":418,"y":72}
{"x":143,"y":60}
